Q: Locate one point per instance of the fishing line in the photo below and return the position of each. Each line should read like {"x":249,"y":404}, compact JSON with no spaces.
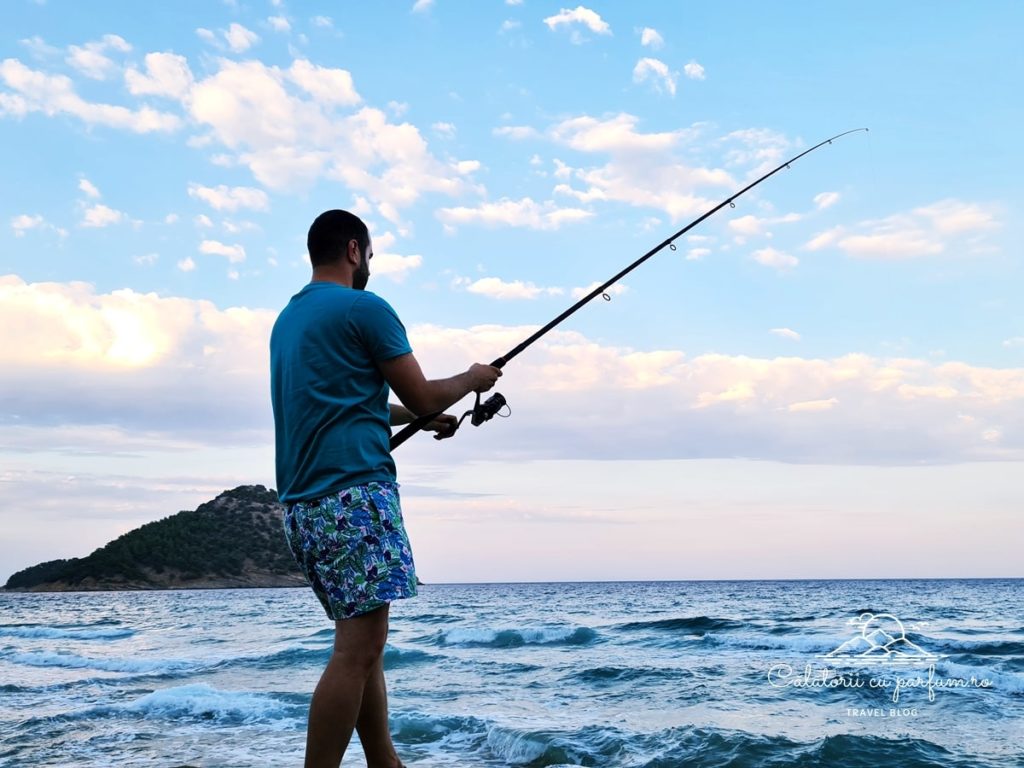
{"x":481,"y":413}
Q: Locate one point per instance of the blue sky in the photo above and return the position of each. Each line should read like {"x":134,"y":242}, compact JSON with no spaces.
{"x":845,"y":345}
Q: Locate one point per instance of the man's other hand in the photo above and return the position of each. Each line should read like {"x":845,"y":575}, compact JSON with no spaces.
{"x":443,"y":426}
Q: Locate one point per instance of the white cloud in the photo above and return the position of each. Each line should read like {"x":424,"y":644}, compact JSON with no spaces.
{"x":279,"y":23}
{"x":774,"y":258}
{"x":752,"y":226}
{"x":813,"y":406}
{"x":324,"y":22}
{"x":643,"y":169}
{"x":91,"y":60}
{"x":513,"y":2}
{"x":693,"y":70}
{"x":233,"y":253}
{"x":146,"y":259}
{"x":167,"y":75}
{"x":163,"y":368}
{"x":517,"y":132}
{"x":202,"y":220}
{"x":235,"y":228}
{"x":1016,"y":341}
{"x":496,"y":288}
{"x":650,"y":38}
{"x":239,"y":38}
{"x":786,"y":333}
{"x":39,"y":48}
{"x":100,"y":215}
{"x":24,"y":222}
{"x":187,"y":264}
{"x":224,"y":198}
{"x":616,"y":289}
{"x":206,"y":35}
{"x":393,"y":266}
{"x":925,"y":231}
{"x":954,"y":217}
{"x":746,"y":225}
{"x":616,"y":134}
{"x":696,"y":254}
{"x":88,"y":188}
{"x":55,"y":94}
{"x":509,"y":24}
{"x":579,"y":15}
{"x":825,"y":200}
{"x":444,"y":130}
{"x":656,"y":71}
{"x":467,"y":166}
{"x":288,"y":141}
{"x":422,"y":5}
{"x":514,"y":213}
{"x":326,"y":85}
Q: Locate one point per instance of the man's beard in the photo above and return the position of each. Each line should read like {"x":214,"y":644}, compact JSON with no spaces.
{"x":362,"y":275}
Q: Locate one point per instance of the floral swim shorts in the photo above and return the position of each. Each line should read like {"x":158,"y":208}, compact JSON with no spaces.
{"x":352,"y":548}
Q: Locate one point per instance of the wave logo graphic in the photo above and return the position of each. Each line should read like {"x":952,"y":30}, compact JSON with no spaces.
{"x":882,"y":640}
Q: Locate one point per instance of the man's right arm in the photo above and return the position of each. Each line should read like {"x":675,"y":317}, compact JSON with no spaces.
{"x":422,"y":396}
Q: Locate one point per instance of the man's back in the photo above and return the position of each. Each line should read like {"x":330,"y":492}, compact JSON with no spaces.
{"x":330,"y":400}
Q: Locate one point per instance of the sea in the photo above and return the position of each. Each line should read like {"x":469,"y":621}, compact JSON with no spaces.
{"x":738,"y":674}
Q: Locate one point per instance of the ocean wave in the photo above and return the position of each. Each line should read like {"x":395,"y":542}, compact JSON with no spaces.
{"x":419,"y":728}
{"x":514,"y":638}
{"x":106,"y":664}
{"x":398,"y":657}
{"x":805,"y":644}
{"x":431,"y":618}
{"x":59,"y":633}
{"x":692,"y":624}
{"x":200,"y":701}
{"x":692,"y":747}
{"x":613,"y":674}
{"x":977,"y":647}
{"x":1006,"y":682}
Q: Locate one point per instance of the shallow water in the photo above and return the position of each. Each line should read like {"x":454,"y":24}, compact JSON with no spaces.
{"x":651,"y":674}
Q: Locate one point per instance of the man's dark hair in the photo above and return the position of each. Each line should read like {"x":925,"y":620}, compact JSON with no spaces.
{"x":330,"y":234}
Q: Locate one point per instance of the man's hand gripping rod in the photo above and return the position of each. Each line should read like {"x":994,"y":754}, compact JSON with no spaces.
{"x":487,"y":410}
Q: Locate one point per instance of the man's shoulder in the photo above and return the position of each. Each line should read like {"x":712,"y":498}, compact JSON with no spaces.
{"x":373,"y":305}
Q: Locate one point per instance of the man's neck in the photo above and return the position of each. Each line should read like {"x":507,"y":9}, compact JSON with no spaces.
{"x":332,"y":274}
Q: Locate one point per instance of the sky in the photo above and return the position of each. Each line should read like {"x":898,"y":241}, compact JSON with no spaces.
{"x":825,"y":381}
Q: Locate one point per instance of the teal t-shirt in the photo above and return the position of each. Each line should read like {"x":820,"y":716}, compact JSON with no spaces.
{"x":331,"y":414}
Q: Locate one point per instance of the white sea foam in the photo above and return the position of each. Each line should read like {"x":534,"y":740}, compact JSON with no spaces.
{"x":813,"y":644}
{"x":59,"y":633}
{"x":203,"y":701}
{"x":516,"y":748}
{"x":1007,"y":682}
{"x":516,"y":636}
{"x":108,"y":664}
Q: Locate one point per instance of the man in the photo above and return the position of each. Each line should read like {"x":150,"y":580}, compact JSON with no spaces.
{"x":334,"y":352}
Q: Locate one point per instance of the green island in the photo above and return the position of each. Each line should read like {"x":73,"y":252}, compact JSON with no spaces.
{"x":234,"y":540}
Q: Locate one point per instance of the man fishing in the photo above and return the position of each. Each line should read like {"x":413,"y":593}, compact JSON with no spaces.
{"x":334,"y":352}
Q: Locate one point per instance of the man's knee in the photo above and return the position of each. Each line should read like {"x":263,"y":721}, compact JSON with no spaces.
{"x":361,"y":639}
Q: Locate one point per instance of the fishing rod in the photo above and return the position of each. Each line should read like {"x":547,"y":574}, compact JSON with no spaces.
{"x":482,"y":412}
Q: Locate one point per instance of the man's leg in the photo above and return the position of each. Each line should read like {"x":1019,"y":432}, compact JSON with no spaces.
{"x":358,"y":647}
{"x":372,"y":724}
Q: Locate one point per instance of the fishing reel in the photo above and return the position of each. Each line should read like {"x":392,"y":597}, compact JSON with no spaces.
{"x":482,"y":412}
{"x":488,"y":409}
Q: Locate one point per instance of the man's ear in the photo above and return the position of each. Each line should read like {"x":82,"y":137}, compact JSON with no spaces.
{"x":352,"y":254}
